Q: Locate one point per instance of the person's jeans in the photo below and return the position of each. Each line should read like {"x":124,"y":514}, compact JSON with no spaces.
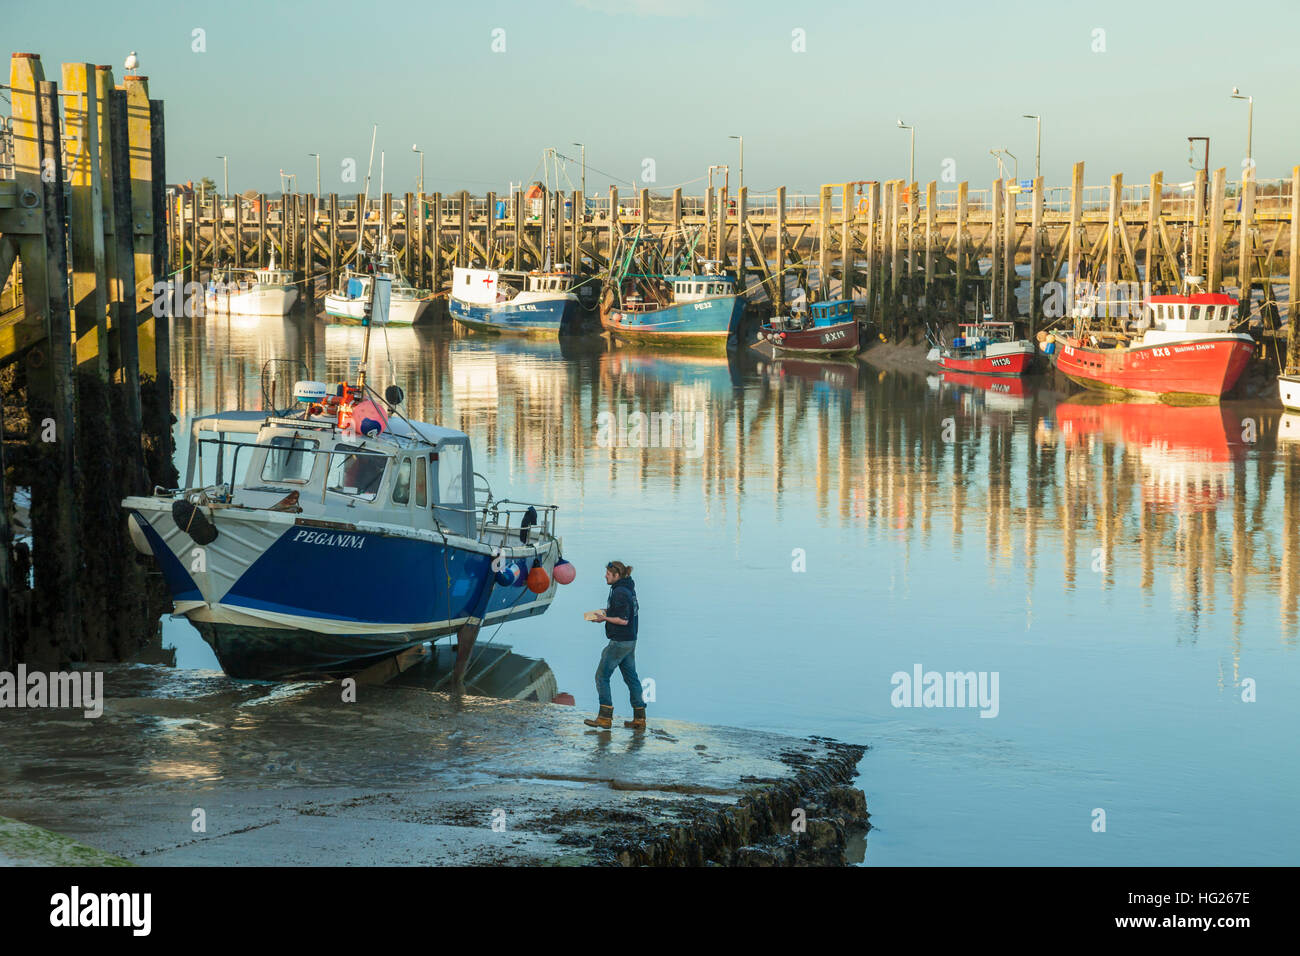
{"x":620,"y":655}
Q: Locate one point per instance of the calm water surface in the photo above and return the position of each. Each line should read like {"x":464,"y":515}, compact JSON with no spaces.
{"x":1129,"y":572}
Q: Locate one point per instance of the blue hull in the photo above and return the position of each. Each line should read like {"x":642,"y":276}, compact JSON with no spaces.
{"x":710,"y":321}
{"x":531,"y":318}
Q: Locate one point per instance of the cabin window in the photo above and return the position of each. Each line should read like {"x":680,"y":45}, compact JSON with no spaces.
{"x":421,"y":484}
{"x":451,"y":468}
{"x":356,"y":472}
{"x":289,"y":458}
{"x":467,"y":278}
{"x":402,"y":483}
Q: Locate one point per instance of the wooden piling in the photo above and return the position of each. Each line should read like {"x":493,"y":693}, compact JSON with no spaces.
{"x":846,"y":242}
{"x":1076,"y":215}
{"x":86,"y":219}
{"x":1151,"y":253}
{"x":777,"y":286}
{"x":1035,"y":259}
{"x":1245,"y":244}
{"x":963,"y":213}
{"x":1214,"y":254}
{"x":1293,"y":278}
{"x":931,"y":198}
{"x":994,"y":303}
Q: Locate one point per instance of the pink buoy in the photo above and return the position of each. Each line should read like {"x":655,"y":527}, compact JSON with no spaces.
{"x":564,"y":572}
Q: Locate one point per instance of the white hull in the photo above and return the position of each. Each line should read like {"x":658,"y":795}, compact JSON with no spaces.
{"x":401,"y":311}
{"x":276,"y":302}
{"x":1288,"y":387}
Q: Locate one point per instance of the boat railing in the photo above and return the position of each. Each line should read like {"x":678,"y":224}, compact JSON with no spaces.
{"x":501,"y":517}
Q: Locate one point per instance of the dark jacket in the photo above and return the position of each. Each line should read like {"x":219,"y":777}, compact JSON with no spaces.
{"x":622,"y":603}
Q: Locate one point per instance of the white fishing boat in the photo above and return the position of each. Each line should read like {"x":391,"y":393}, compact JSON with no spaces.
{"x":268,"y":291}
{"x":351,"y":301}
{"x":1288,"y":387}
{"x":340,"y":532}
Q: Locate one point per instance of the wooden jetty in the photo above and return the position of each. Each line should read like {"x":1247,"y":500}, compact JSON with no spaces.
{"x":907,"y":253}
{"x":84,"y":361}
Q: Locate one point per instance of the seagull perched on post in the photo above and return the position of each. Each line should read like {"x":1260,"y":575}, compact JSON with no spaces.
{"x":132,"y":62}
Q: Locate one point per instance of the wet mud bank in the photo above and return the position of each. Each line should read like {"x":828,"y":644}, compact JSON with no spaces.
{"x":193,"y":768}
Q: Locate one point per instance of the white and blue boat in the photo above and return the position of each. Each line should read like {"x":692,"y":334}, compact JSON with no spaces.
{"x":519,"y":303}
{"x":699,"y":311}
{"x":340,"y":534}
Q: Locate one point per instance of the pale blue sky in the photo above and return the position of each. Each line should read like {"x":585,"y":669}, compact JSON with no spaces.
{"x":671,"y":79}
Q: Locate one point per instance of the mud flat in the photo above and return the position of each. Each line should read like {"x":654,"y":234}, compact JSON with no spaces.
{"x":192,"y":768}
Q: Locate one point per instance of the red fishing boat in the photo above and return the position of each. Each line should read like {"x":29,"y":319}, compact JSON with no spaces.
{"x":829,"y":328}
{"x":987,"y":348}
{"x":1182,"y":348}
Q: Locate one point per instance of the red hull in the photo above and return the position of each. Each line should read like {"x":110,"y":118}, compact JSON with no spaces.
{"x":997,"y":384}
{"x":841,"y":339}
{"x":1197,"y":368}
{"x":1014,"y":363}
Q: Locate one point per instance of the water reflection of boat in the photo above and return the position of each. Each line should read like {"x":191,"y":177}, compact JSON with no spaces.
{"x":1288,"y":427}
{"x":1004,"y":385}
{"x":1185,"y":452}
{"x":829,"y":373}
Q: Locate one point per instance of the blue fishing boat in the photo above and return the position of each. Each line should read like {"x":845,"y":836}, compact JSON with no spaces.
{"x":533,"y":303}
{"x":699,"y":310}
{"x":340,"y":534}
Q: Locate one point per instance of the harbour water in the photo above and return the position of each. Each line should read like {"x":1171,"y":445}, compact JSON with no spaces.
{"x":1127,"y":574}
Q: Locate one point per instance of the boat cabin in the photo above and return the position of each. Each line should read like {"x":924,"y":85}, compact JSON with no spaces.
{"x":1191,"y":313}
{"x":826,"y":313}
{"x":696,"y":288}
{"x":413,"y":475}
{"x":976,"y":334}
{"x":549,"y":281}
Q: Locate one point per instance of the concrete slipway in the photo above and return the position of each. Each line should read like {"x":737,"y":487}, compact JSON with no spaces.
{"x":192,"y":768}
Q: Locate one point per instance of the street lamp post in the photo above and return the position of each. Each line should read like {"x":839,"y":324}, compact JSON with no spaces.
{"x":317,"y":155}
{"x":1038,"y":142}
{"x":742,"y":160}
{"x":911,"y":161}
{"x":225,"y":176}
{"x":1250,"y":124}
{"x":420,"y":186}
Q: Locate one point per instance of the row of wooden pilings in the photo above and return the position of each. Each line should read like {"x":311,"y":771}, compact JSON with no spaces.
{"x":84,"y":362}
{"x":907,"y":254}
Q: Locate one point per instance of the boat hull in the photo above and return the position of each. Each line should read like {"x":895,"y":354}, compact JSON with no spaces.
{"x":545,"y":317}
{"x":275,"y":302}
{"x":839,"y":339}
{"x":1195,"y":369}
{"x":1288,"y":387}
{"x":1010,"y":360}
{"x":705,"y":324}
{"x":274,"y":595}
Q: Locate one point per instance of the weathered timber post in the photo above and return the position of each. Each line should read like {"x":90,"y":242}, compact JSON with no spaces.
{"x":995,"y":305}
{"x":1076,"y":218}
{"x":931,"y":197}
{"x":1214,"y":261}
{"x":51,"y":365}
{"x":963,"y":211}
{"x":777,"y":292}
{"x":86,"y":220}
{"x":742,"y":199}
{"x":1010,"y":308}
{"x":1293,"y":277}
{"x":1245,"y":243}
{"x":1036,"y":259}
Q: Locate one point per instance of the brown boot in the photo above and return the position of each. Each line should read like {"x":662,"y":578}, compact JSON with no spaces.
{"x":638,"y":719}
{"x":604,"y":720}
